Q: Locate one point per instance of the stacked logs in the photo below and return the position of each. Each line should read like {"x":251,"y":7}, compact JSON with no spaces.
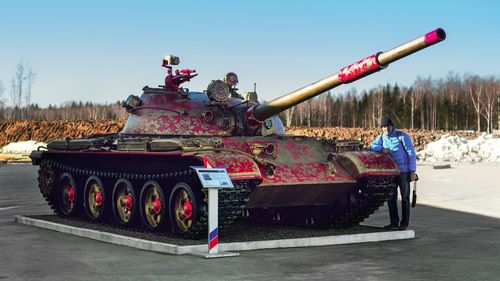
{"x":420,"y":137}
{"x":45,"y":131}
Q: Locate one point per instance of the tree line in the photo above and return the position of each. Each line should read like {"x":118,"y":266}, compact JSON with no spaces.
{"x":67,"y":111}
{"x":21,"y":107}
{"x":457,"y":102}
{"x":467,"y":102}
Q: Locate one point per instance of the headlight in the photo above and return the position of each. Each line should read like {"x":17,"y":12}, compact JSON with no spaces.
{"x":170,"y":60}
{"x":218,"y":91}
{"x":231,"y":78}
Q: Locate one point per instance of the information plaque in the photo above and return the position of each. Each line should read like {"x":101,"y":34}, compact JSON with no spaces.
{"x":213,"y":177}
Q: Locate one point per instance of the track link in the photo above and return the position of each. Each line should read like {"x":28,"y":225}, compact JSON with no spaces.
{"x":365,"y":200}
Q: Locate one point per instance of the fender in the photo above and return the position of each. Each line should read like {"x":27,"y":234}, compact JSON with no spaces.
{"x":361,"y":164}
{"x":239,"y":167}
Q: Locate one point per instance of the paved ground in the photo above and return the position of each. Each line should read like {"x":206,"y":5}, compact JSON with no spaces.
{"x":450,"y":244}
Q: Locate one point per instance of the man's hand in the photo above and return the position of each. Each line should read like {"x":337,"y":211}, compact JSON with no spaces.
{"x":385,"y":151}
{"x":413,"y":176}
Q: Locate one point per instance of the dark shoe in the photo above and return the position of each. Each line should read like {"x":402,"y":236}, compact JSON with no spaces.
{"x":403,"y":227}
{"x":391,"y":226}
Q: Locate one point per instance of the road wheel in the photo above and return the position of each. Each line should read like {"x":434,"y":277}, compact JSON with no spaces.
{"x":68,"y":196}
{"x":124,"y":202}
{"x":184,"y":208}
{"x":94,"y":198}
{"x":152,"y":205}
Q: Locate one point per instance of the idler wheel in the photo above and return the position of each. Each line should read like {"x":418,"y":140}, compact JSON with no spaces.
{"x":183,"y":208}
{"x":94,"y":198}
{"x":124,"y":202}
{"x":46,"y":178}
{"x":68,"y":195}
{"x":152,"y":205}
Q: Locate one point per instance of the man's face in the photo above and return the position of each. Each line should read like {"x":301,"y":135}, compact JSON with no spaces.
{"x":387,"y":129}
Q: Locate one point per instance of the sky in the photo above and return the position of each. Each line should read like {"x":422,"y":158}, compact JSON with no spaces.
{"x":103,"y":51}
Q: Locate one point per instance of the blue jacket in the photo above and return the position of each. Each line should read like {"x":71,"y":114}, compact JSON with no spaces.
{"x":400,"y":147}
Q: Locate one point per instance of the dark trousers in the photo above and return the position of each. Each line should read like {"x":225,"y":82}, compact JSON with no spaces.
{"x":404,"y":187}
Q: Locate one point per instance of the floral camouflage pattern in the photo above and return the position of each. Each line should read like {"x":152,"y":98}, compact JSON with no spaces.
{"x":171,"y":125}
{"x":238,"y":166}
{"x":302,"y":160}
{"x":368,"y":163}
{"x":305,"y":173}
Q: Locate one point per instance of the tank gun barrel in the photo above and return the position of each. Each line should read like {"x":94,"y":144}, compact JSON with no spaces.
{"x":346,"y":75}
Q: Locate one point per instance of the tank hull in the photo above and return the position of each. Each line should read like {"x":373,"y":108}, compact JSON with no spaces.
{"x":146,"y":181}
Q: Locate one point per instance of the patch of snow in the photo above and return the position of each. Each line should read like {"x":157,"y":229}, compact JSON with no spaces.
{"x":456,"y":149}
{"x":22,"y":147}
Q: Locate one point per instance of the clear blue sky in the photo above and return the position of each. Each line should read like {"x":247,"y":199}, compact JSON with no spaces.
{"x":102,"y":51}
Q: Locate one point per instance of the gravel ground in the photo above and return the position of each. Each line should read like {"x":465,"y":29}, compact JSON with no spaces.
{"x":240,"y":231}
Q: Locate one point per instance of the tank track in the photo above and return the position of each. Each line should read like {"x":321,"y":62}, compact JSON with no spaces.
{"x":365,"y":200}
{"x":231,"y":201}
{"x":362,"y":201}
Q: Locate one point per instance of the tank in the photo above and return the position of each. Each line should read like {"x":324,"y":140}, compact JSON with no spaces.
{"x":142,"y":177}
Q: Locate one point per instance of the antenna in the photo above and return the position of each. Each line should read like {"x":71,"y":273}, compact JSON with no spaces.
{"x":255,"y":88}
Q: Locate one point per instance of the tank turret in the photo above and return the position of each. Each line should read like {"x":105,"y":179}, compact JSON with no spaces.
{"x":221,"y":111}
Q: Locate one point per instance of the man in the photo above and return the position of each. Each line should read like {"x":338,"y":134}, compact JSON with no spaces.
{"x":399,"y":145}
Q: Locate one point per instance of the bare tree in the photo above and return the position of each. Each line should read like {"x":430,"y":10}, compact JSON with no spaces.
{"x":491,"y":91}
{"x":2,"y":101}
{"x":453,"y":88}
{"x":30,"y":78}
{"x":329,"y":108}
{"x":19,"y":81}
{"x":323,"y":110}
{"x":377,"y":106}
{"x":309,"y":111}
{"x":433,"y":104}
{"x":422,"y":88}
{"x":474,"y":87}
{"x":13,"y":97}
{"x":21,"y":91}
{"x":413,"y":100}
{"x":2,"y":91}
{"x":289,"y":116}
{"x":301,"y":108}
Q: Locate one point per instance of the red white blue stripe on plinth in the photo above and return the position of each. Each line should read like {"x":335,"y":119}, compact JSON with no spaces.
{"x":213,"y":222}
{"x":214,"y":238}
